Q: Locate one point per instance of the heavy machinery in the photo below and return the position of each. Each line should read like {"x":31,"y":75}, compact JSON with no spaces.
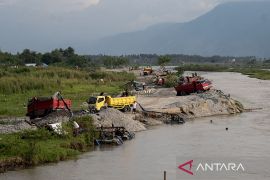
{"x":135,"y":85}
{"x":147,"y":71}
{"x":194,"y":86}
{"x":100,"y":102}
{"x":47,"y":110}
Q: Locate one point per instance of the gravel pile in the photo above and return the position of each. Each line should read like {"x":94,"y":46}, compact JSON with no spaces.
{"x":110,"y":116}
{"x":207,"y":104}
{"x":13,"y":125}
{"x":55,"y":117}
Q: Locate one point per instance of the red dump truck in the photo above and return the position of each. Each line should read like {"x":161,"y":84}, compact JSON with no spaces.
{"x":43,"y":106}
{"x":192,"y":85}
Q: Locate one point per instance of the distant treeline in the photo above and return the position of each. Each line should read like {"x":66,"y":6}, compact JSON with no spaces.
{"x":60,"y":57}
{"x":68,"y":57}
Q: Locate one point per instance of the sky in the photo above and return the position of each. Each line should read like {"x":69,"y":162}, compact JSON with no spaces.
{"x":91,"y":19}
{"x":113,"y":15}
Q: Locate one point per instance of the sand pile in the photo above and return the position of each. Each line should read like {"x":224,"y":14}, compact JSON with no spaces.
{"x":210,"y":103}
{"x":110,"y":116}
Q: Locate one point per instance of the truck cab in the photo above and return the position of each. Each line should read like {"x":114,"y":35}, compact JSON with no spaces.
{"x":147,"y":71}
{"x":96,"y":103}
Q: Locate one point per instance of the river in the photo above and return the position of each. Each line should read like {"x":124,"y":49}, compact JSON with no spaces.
{"x":158,"y":149}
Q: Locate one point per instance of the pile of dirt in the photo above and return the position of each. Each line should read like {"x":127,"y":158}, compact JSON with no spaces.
{"x":55,"y":117}
{"x":13,"y":125}
{"x":110,"y":116}
{"x":210,"y":103}
{"x":213,"y":102}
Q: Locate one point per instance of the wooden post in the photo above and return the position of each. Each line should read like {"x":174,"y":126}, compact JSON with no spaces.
{"x":165,"y":175}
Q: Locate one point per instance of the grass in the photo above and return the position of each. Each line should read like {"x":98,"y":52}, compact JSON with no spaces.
{"x":202,"y":67}
{"x":43,"y":146}
{"x":253,"y":72}
{"x":18,"y":85}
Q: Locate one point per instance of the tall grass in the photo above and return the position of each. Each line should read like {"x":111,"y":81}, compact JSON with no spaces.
{"x":17,"y":85}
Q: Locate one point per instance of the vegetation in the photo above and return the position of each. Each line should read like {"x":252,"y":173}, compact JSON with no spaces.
{"x":60,"y":57}
{"x":19,"y":84}
{"x":180,"y":59}
{"x":171,"y":80}
{"x":68,"y":58}
{"x":202,"y":67}
{"x":254,"y":72}
{"x":43,"y":146}
{"x":163,"y":60}
{"x":114,"y":62}
{"x":57,"y":57}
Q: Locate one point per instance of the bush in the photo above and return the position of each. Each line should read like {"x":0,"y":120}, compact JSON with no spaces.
{"x":41,"y":146}
{"x":171,"y":80}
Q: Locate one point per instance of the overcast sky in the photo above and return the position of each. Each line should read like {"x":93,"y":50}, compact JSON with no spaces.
{"x":106,"y":16}
{"x":89,"y":19}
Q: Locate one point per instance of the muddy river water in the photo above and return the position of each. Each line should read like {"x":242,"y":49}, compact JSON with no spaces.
{"x":158,"y":149}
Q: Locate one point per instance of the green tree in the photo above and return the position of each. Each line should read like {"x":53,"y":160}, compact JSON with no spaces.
{"x":69,"y":52}
{"x":163,"y":60}
{"x":28,"y":56}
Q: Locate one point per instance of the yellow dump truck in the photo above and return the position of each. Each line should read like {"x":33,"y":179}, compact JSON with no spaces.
{"x":147,"y":71}
{"x":122,"y":103}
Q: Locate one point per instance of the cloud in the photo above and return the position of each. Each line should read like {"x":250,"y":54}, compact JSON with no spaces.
{"x":7,"y":2}
{"x":77,"y":4}
{"x":173,"y":11}
{"x":53,"y":5}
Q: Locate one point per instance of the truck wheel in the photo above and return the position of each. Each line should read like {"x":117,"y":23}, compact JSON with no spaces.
{"x":183,"y":93}
{"x":178,"y":94}
{"x":126,"y":109}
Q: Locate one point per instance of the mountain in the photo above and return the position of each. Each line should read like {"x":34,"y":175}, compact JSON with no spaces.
{"x":234,"y":29}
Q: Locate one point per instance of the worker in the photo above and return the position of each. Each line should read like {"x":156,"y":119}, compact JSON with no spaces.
{"x":134,"y":108}
{"x":76,"y":128}
{"x":125,"y":93}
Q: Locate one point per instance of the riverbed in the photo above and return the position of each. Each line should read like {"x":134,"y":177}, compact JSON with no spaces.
{"x":158,"y":149}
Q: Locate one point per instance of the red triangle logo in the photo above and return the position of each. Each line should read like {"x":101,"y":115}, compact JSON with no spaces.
{"x":182,"y":167}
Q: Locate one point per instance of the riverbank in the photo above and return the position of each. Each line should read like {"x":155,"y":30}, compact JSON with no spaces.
{"x":34,"y":147}
{"x":160,"y":148}
{"x":40,"y":146}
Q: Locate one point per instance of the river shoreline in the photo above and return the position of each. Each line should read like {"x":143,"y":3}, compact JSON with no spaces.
{"x":212,"y":103}
{"x":248,"y":133}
